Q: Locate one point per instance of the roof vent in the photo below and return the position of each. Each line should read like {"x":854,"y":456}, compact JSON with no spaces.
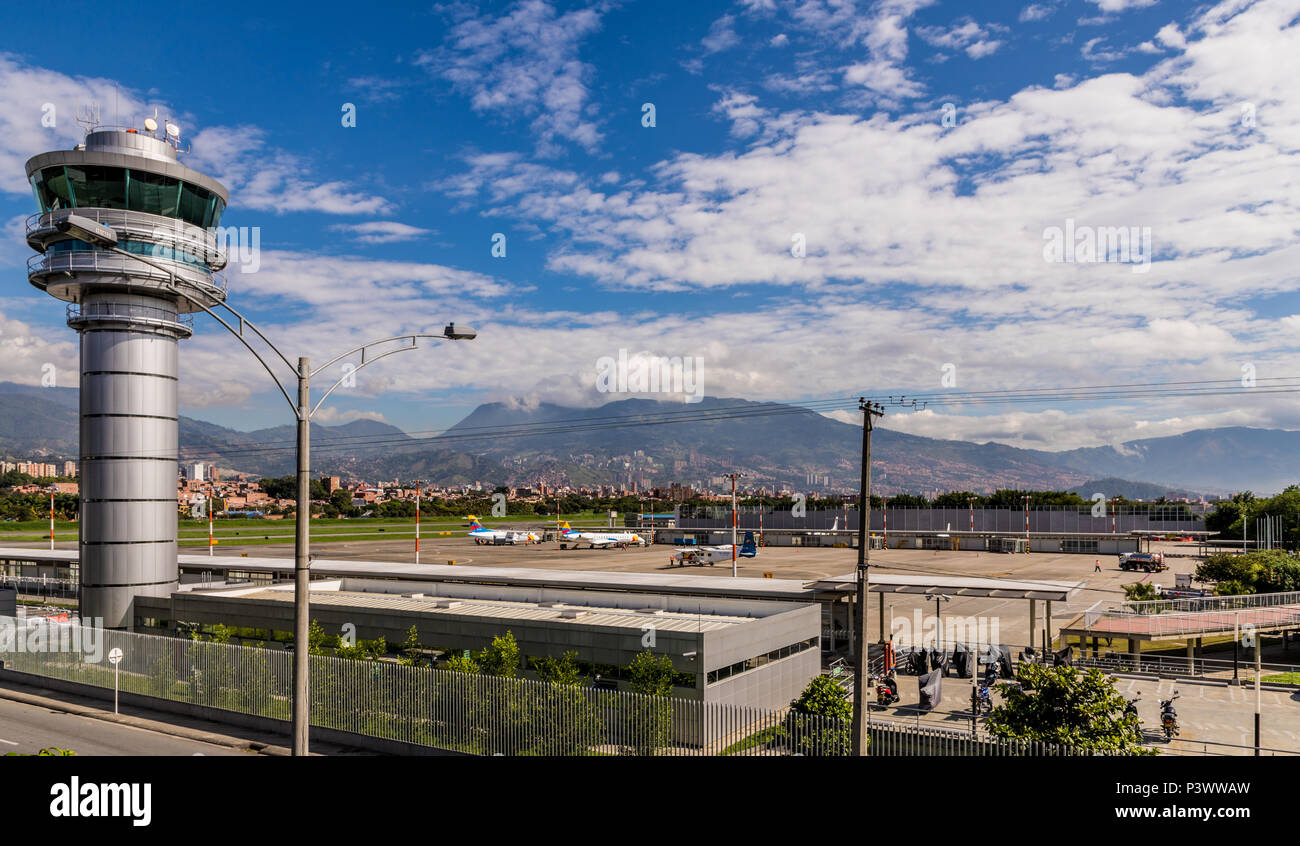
{"x":649,"y":610}
{"x":550,"y":604}
{"x":413,"y":596}
{"x":447,"y":603}
{"x":573,"y":613}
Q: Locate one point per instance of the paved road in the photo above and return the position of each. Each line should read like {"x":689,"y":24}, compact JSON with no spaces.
{"x":29,"y":728}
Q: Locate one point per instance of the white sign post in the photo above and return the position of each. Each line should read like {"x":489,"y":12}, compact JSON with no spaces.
{"x":115,"y":658}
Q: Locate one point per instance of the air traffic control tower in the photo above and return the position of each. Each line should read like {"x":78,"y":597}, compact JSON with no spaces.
{"x":130,"y":318}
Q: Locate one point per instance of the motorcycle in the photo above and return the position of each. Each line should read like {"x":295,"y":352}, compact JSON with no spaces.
{"x":1131,"y":709}
{"x":1169,"y":717}
{"x":886,"y":691}
{"x":983,"y":699}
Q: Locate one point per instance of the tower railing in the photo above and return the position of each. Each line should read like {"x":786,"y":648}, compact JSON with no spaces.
{"x":77,"y":312}
{"x":175,"y":232}
{"x":102,"y":261}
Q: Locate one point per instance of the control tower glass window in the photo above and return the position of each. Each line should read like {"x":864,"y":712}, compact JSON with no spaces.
{"x":98,"y":187}
{"x":93,"y":186}
{"x":154,"y":193}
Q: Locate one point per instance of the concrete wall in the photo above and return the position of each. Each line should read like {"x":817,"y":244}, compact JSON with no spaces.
{"x":772,"y":685}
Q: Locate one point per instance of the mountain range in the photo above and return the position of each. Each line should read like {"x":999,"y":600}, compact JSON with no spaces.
{"x":632,"y":440}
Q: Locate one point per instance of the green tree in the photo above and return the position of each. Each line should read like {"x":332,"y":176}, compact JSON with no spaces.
{"x":463,"y":663}
{"x":1140,"y":592}
{"x":316,"y":638}
{"x":1257,"y":571}
{"x":650,"y":716}
{"x":1068,"y":707}
{"x":412,"y":650}
{"x":820,"y":721}
{"x":501,"y":658}
{"x":563,"y":715}
{"x":563,"y":670}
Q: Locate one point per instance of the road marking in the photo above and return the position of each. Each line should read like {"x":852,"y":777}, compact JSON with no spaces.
{"x":10,"y":742}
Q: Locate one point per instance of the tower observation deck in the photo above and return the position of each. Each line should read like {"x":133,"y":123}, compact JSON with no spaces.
{"x":130,"y":319}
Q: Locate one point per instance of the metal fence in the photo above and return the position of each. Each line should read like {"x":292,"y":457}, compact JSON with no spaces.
{"x":1171,"y":519}
{"x":1195,"y":604}
{"x":461,"y":712}
{"x":1189,"y":667}
{"x":1193,"y":616}
{"x":892,"y":739}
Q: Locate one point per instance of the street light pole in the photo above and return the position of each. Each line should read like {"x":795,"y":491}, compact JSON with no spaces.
{"x":106,"y":238}
{"x":301,"y":565}
{"x":861,"y":739}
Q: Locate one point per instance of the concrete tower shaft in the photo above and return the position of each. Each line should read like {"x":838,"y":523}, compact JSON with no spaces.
{"x":130,"y":321}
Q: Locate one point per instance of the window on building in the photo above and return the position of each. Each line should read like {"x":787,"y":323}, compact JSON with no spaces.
{"x":761,"y":660}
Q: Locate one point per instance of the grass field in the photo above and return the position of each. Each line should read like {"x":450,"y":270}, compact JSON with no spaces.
{"x":245,"y":531}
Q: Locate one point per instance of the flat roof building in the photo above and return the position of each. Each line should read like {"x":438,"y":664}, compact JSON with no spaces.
{"x":750,"y":652}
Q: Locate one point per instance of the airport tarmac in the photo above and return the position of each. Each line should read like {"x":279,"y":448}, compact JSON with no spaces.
{"x":801,"y":563}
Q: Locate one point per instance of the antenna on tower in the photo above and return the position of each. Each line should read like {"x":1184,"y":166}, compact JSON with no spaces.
{"x":88,"y":115}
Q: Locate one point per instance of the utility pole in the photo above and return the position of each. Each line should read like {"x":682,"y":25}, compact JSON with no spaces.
{"x":733,"y":521}
{"x":51,"y":517}
{"x":1259,"y":641}
{"x":417,"y":521}
{"x":870,"y":411}
{"x":212,"y":493}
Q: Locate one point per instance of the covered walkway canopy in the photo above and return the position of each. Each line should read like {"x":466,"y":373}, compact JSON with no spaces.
{"x":935,"y":584}
{"x":932,"y":584}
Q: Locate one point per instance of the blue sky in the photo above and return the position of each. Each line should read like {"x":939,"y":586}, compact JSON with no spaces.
{"x":774,"y":121}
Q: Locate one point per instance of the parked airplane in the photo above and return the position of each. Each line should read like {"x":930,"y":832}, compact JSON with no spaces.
{"x":483,"y":535}
{"x":711,"y":555}
{"x":600,"y":540}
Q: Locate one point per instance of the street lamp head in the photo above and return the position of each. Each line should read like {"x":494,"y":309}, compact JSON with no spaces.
{"x":85,"y":229}
{"x":464,"y":333}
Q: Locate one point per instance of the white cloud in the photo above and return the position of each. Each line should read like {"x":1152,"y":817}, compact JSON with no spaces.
{"x":975,"y":39}
{"x":925,"y":243}
{"x":1035,"y":12}
{"x":722,"y":35}
{"x":28,"y":355}
{"x":980,"y":49}
{"x":381,"y":231}
{"x":524,"y":62}
{"x":330,"y":415}
{"x":378,"y":89}
{"x":270,"y":179}
{"x":1092,"y":52}
{"x":1121,"y":5}
{"x":265,"y":177}
{"x":1170,"y":36}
